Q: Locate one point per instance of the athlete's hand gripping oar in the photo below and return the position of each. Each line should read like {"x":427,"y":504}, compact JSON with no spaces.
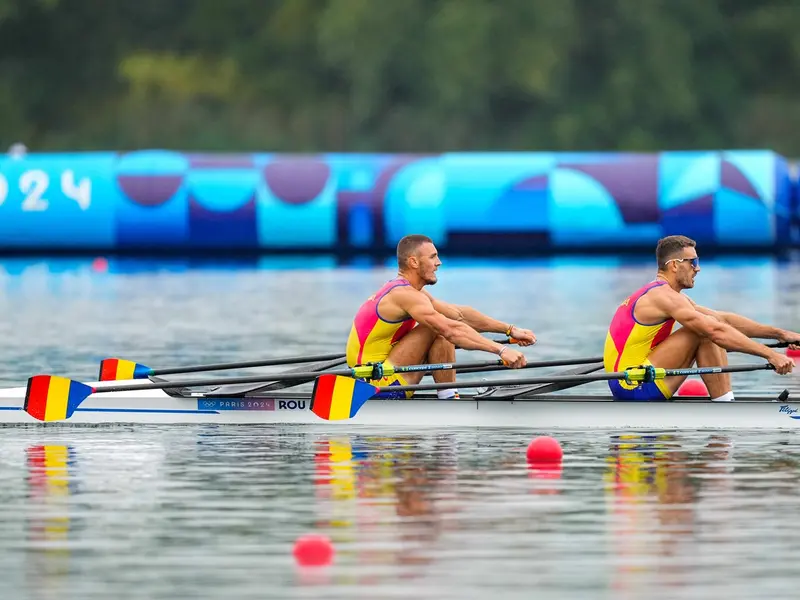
{"x":53,"y":398}
{"x":120,"y":369}
{"x":337,"y":398}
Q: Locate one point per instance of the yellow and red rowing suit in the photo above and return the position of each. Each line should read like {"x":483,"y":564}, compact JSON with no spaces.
{"x":629,"y":343}
{"x":372,"y":337}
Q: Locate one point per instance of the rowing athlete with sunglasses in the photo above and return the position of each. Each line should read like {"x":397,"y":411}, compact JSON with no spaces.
{"x":641,"y":331}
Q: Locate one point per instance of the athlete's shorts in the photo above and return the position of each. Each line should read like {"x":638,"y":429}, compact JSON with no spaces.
{"x":653,"y":391}
{"x":396,"y":379}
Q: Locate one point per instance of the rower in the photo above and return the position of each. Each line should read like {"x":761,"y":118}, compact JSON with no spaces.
{"x":402,"y":324}
{"x":641,"y":331}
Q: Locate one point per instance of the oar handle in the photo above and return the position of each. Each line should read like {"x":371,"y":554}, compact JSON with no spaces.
{"x":781,"y":344}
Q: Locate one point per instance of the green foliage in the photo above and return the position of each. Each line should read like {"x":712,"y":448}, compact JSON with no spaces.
{"x":397,"y":76}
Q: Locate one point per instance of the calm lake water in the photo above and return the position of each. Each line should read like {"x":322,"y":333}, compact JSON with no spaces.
{"x":213,"y":512}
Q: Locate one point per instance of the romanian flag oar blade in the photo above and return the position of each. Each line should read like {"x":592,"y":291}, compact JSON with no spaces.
{"x":53,"y":398}
{"x":117,"y":369}
{"x":336,"y":398}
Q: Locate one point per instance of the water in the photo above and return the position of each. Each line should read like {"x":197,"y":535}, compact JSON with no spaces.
{"x":212,"y":512}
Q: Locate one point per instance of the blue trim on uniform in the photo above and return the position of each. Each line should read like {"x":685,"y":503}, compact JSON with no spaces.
{"x":645,"y":392}
{"x":633,"y":308}
{"x":383,"y":295}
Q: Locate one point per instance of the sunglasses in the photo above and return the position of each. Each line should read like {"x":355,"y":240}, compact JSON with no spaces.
{"x":695,"y":262}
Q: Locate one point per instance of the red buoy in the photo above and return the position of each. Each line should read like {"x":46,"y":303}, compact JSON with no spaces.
{"x":693,"y":387}
{"x":544,"y":449}
{"x":313,"y":550}
{"x":100,"y":265}
{"x":792,"y":353}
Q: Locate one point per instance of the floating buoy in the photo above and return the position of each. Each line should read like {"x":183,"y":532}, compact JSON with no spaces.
{"x":543,"y":450}
{"x":693,"y":387}
{"x":313,"y":550}
{"x":100,"y":265}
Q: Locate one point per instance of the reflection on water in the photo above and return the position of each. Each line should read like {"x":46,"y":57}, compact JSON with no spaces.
{"x":210,"y":512}
{"x":49,"y":492}
{"x":382,"y":488}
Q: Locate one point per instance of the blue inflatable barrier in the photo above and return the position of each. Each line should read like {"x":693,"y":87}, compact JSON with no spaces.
{"x":153,"y":200}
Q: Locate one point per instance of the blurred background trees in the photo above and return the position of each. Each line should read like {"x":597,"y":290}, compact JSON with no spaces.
{"x":400,"y":75}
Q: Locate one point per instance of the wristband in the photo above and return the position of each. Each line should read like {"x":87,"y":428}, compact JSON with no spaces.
{"x":502,"y":349}
{"x":508,"y":331}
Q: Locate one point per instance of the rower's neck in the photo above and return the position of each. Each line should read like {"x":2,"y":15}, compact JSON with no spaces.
{"x":412,"y":280}
{"x":672,"y":284}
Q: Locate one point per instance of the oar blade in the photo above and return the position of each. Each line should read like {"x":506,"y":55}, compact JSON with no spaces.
{"x":337,"y":398}
{"x":119,"y":369}
{"x":53,"y":398}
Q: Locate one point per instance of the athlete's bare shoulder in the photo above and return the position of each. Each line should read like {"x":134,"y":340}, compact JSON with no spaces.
{"x":396,"y":304}
{"x":667,"y":301}
{"x":652,"y":306}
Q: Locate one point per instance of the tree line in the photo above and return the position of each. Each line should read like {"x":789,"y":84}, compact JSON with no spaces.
{"x":400,"y":75}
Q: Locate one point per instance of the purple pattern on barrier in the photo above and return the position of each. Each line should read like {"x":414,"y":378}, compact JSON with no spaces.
{"x":733,"y":179}
{"x":632,"y":182}
{"x":373,"y":200}
{"x":230,"y":229}
{"x":296,"y":180}
{"x":694,"y":218}
{"x":539,"y":183}
{"x":152,"y":190}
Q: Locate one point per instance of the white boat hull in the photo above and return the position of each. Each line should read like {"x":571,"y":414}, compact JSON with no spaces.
{"x":543,"y":413}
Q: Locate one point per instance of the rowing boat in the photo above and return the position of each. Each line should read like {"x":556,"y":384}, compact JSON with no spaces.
{"x":542,"y":412}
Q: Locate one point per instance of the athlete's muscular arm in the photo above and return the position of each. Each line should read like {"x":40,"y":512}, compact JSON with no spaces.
{"x":479,"y":321}
{"x":680,"y":308}
{"x":749,"y":327}
{"x":466,"y":314}
{"x":419,"y":306}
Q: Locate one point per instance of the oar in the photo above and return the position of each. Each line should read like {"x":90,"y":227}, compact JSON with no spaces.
{"x":120,"y":369}
{"x":525,"y":391}
{"x":279,"y":385}
{"x":116,"y":369}
{"x":54,"y":398}
{"x":337,"y":398}
{"x":558,"y":362}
